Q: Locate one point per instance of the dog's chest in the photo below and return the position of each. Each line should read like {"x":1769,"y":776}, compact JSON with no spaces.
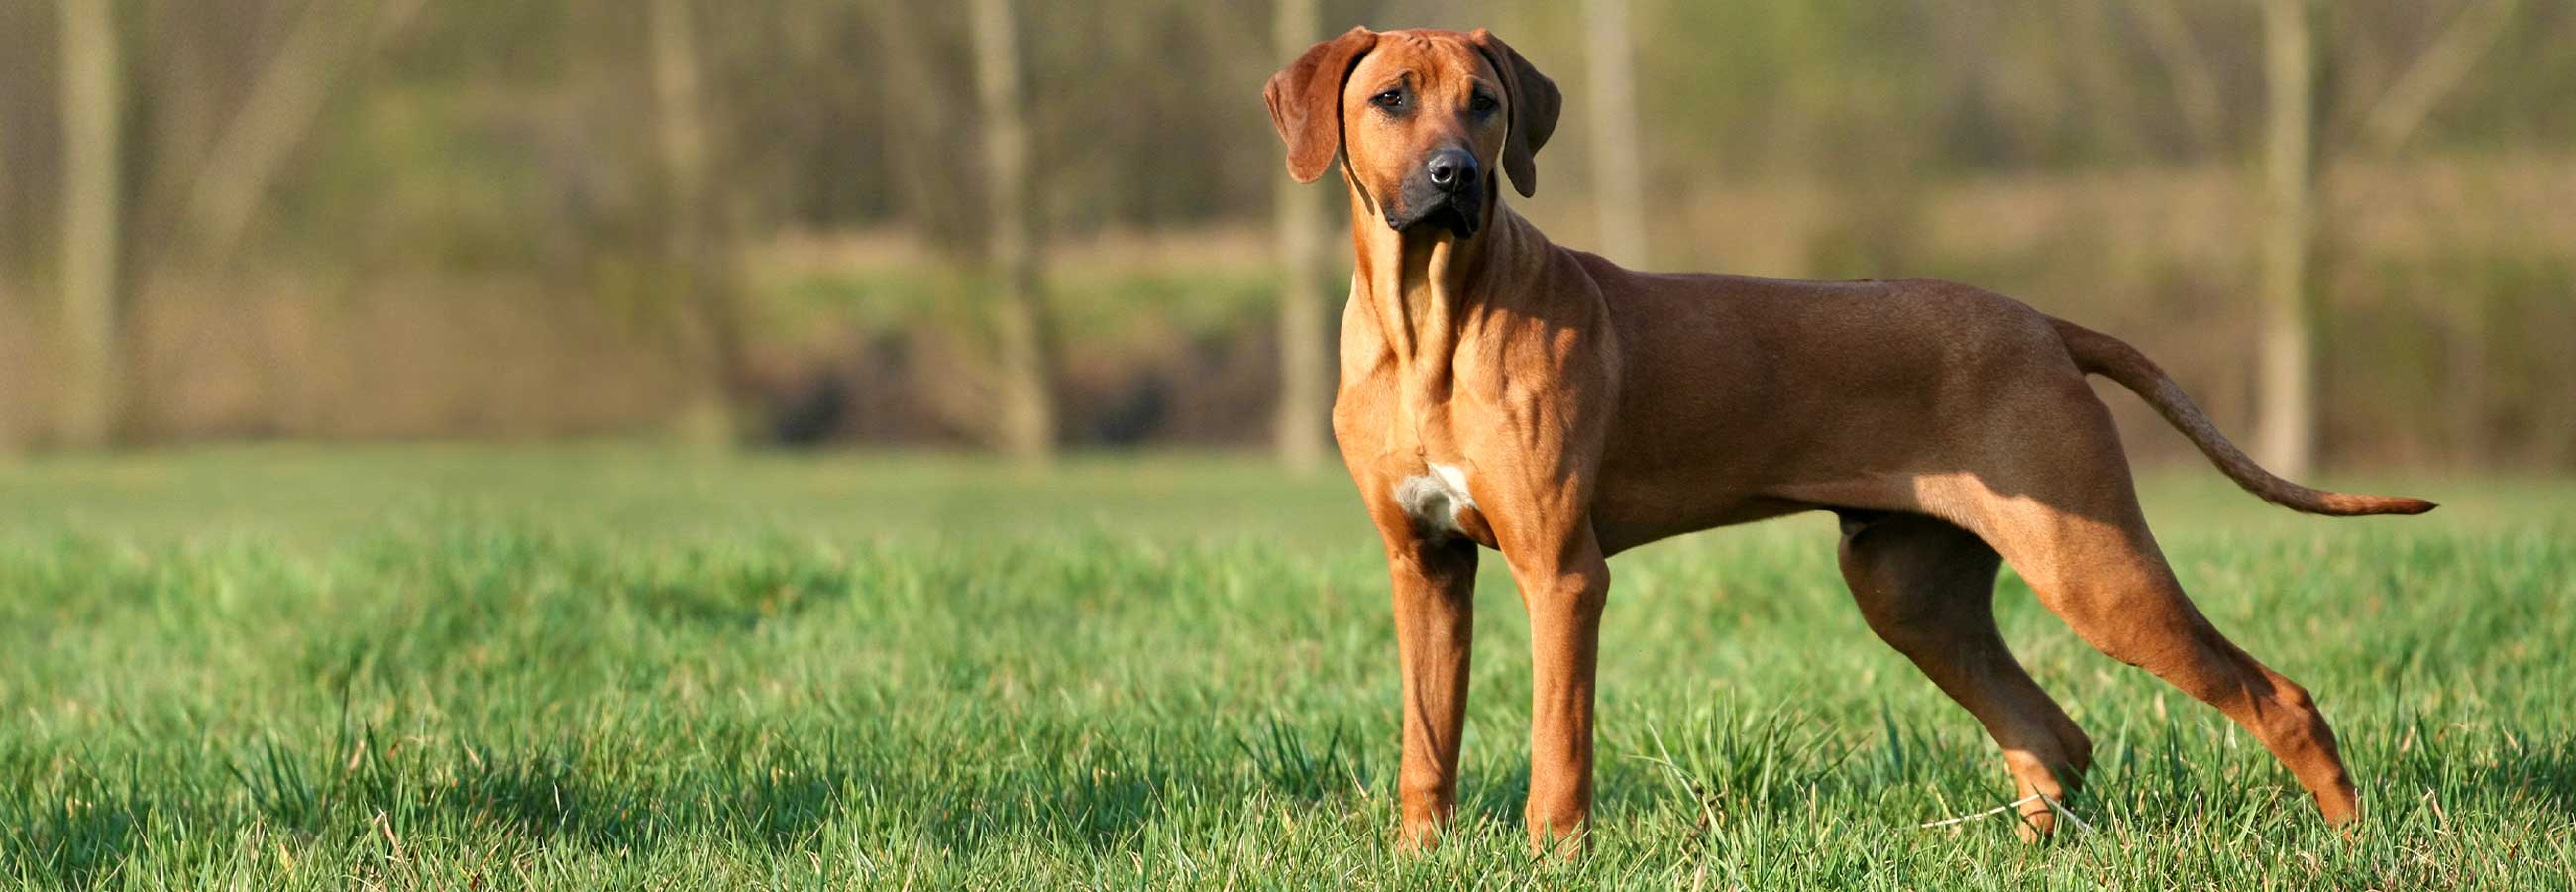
{"x":1438,"y":500}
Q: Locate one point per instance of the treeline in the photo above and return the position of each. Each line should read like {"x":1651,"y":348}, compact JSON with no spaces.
{"x":778,"y":220}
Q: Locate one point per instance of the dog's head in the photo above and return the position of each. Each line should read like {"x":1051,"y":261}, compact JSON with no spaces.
{"x":1421,"y":120}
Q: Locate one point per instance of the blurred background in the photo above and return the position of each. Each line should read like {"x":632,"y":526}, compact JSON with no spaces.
{"x":1024,"y":227}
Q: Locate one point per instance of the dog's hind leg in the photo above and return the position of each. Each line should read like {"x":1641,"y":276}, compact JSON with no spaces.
{"x":1927,"y":588}
{"x":2114,"y":588}
{"x":2067,"y":519}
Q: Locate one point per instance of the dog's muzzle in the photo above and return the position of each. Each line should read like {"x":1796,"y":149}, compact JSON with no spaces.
{"x":1449,"y":192}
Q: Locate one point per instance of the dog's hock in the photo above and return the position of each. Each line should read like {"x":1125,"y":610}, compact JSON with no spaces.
{"x":1434,"y":500}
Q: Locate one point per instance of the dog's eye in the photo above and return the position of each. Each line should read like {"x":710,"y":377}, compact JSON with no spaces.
{"x":1391,"y":99}
{"x":1483,"y":103}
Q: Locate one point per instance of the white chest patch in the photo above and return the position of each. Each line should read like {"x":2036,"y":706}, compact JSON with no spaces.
{"x":1434,"y":500}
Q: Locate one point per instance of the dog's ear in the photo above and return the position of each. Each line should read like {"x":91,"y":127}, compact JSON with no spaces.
{"x":1306,"y":101}
{"x":1534,"y":104}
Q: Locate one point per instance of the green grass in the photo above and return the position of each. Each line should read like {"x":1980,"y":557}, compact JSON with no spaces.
{"x":288,"y":668}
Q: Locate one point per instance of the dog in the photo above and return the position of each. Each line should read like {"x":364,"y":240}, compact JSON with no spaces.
{"x":1500,"y":391}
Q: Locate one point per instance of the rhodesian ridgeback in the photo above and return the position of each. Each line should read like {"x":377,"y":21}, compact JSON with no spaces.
{"x":1502,"y":391}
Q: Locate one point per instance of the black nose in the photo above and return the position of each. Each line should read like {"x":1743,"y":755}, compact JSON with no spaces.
{"x":1451,"y":169}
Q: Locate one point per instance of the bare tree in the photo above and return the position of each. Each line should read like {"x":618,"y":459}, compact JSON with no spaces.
{"x":1025,"y":422}
{"x":696,"y":258}
{"x":2195,"y":88}
{"x":1303,"y":397}
{"x":285,"y":102}
{"x":2285,"y":391}
{"x":2101,"y":78}
{"x":1618,"y":187}
{"x":94,"y":385}
{"x":2436,"y":72}
{"x":2393,"y":121}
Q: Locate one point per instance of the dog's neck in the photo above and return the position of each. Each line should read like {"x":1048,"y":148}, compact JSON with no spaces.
{"x":1418,"y":282}
{"x":1422,"y":286}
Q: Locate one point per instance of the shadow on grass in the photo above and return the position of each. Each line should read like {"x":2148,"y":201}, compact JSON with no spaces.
{"x":85,"y":829}
{"x":91,"y":823}
{"x":2550,"y":779}
{"x":1057,"y":784}
{"x":2543,"y":774}
{"x":1085,"y":793}
{"x":78,"y":843}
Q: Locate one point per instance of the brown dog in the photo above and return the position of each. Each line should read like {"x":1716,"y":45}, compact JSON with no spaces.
{"x":1502,"y":391}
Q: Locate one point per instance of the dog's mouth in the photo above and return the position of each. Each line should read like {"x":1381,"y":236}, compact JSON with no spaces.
{"x":1451,"y":215}
{"x":1461,"y":215}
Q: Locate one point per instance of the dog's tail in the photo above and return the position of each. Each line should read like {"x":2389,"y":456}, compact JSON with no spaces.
{"x":2112,"y":358}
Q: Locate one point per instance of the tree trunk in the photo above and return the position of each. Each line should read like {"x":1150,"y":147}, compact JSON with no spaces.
{"x":700,"y":266}
{"x":1304,"y":399}
{"x":2286,"y":386}
{"x":93,"y":386}
{"x":1618,"y":187}
{"x":285,"y":102}
{"x":2195,"y":89}
{"x":2469,"y":360}
{"x":2441,"y":69}
{"x":1025,"y":419}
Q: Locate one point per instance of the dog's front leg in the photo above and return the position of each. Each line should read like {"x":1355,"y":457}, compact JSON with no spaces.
{"x":1435,"y":602}
{"x":1564,"y":584}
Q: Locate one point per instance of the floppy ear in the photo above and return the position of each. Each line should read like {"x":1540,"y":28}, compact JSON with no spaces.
{"x":1534,"y":103}
{"x":1306,"y":101}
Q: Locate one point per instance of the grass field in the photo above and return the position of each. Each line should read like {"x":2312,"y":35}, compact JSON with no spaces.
{"x":455,"y":668}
